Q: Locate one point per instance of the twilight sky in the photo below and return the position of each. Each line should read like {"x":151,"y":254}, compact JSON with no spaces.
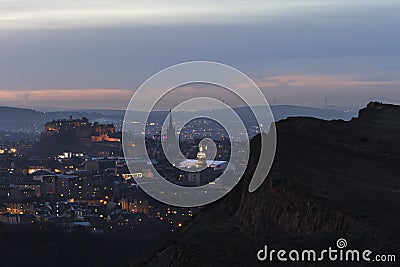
{"x":93,"y":54}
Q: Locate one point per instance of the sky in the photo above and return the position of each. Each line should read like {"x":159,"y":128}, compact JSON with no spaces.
{"x":94,"y":54}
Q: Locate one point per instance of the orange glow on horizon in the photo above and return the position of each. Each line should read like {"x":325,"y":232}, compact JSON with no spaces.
{"x":65,"y":94}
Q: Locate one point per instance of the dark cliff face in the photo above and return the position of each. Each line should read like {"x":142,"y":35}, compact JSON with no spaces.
{"x":330,"y":176}
{"x":330,"y":179}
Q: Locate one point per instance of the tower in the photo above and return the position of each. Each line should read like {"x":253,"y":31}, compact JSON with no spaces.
{"x":171,"y":137}
{"x":201,"y":160}
{"x":171,"y":142}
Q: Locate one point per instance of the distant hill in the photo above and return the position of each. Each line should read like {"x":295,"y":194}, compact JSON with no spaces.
{"x":284,"y":111}
{"x":30,"y":121}
{"x":19,"y":114}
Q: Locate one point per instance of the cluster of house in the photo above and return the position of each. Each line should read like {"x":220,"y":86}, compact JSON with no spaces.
{"x":96,"y":215}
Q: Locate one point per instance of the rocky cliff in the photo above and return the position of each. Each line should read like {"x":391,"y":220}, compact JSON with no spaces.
{"x":330,"y":179}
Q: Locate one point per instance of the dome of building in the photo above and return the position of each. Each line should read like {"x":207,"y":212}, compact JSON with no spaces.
{"x":201,"y":161}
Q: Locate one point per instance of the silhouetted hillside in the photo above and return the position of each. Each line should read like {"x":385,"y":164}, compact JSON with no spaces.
{"x":330,"y":179}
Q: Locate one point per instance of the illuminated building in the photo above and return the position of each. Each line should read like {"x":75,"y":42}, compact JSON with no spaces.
{"x":201,"y":161}
{"x":81,"y":129}
{"x":203,"y":171}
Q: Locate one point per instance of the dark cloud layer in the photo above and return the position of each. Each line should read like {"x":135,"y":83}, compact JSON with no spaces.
{"x":358,"y":40}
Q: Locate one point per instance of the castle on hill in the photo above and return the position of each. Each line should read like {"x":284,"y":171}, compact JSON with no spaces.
{"x":81,"y":129}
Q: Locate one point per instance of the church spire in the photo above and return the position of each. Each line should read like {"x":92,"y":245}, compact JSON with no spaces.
{"x":172,"y":142}
{"x":170,"y":120}
{"x":171,"y":131}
